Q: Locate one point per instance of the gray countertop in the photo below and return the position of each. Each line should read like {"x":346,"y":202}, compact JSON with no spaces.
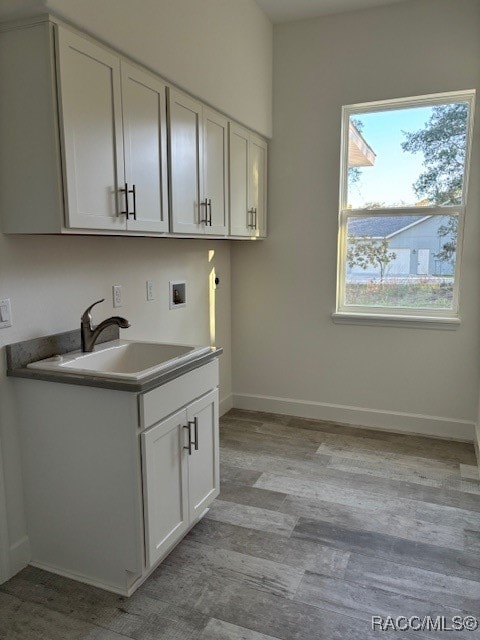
{"x":19,"y":355}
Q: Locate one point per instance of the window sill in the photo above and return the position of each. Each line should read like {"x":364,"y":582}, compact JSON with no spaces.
{"x":384,"y":320}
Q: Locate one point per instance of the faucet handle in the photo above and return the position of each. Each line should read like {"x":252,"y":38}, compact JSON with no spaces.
{"x":87,"y":316}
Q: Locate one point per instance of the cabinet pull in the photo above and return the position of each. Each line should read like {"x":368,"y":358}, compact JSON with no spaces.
{"x":189,"y":447}
{"x":125,"y":191}
{"x":210,"y":212}
{"x":252,"y":224}
{"x":134,"y":192}
{"x":204,"y":204}
{"x":195,"y":429}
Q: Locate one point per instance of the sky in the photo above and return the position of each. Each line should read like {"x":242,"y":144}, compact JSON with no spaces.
{"x":390,"y":180}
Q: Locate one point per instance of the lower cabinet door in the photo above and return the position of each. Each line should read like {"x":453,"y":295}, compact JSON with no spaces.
{"x":203,"y":463}
{"x":165,"y":482}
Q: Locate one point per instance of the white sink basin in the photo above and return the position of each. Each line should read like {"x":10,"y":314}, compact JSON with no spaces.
{"x":129,"y":360}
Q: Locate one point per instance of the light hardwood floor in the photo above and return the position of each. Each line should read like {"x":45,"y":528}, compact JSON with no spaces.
{"x":317,"y":528}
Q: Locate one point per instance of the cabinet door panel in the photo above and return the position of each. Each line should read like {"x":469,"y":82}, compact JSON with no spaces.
{"x":203,"y":464}
{"x":185,"y":154}
{"x":258,"y":184}
{"x":215,"y":168}
{"x":239,"y":171}
{"x":165,"y":485}
{"x":144,"y":121}
{"x":90,"y":109}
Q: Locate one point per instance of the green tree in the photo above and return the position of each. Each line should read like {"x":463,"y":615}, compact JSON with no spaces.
{"x":448,"y":232}
{"x":443,"y":142}
{"x":364,"y":251}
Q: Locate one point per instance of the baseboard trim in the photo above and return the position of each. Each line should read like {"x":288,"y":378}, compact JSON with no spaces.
{"x":19,"y":555}
{"x":394,"y":421}
{"x":225,"y":405}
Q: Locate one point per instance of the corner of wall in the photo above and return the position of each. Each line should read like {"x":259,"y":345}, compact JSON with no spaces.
{"x":225,"y":405}
{"x":13,"y":557}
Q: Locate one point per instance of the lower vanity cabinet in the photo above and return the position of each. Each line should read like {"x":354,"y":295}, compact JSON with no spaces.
{"x":180,"y":473}
{"x":113,"y":478}
{"x":203,"y":461}
{"x":165,"y":486}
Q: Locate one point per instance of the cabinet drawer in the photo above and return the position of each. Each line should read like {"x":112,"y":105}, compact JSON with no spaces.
{"x":172,"y":396}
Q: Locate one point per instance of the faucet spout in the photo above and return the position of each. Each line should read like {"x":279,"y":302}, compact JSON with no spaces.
{"x":90,"y":334}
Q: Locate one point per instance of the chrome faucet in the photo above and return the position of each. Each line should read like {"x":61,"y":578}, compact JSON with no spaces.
{"x":89,"y":334}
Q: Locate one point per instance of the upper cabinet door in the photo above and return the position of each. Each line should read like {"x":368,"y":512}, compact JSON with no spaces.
{"x":239,"y":171}
{"x":185,"y":133}
{"x":215,"y":172}
{"x":203,"y":463}
{"x":248,"y":183}
{"x":91,"y":129}
{"x":258,"y":186}
{"x":145,"y":140}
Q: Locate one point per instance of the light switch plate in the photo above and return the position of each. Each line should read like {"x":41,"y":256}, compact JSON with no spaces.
{"x":150,"y":290}
{"x":117,"y":295}
{"x":5,"y":313}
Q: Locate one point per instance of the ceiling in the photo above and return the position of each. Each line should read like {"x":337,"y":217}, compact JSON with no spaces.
{"x":288,"y":10}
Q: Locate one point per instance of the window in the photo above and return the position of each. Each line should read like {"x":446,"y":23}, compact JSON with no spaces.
{"x":404,"y":174}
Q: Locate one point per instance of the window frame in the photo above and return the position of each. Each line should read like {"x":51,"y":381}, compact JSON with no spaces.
{"x":440,"y":318}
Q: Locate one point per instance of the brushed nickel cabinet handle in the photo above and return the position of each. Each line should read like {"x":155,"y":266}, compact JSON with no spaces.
{"x":195,"y":431}
{"x":204,"y":204}
{"x":134,"y":192}
{"x":210,"y":212}
{"x":189,"y":447}
{"x":127,"y":212}
{"x":125,"y":191}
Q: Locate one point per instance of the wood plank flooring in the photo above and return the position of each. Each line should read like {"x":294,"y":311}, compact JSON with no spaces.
{"x":317,"y":528}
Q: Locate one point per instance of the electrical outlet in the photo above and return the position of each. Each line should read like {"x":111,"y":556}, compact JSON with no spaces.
{"x":5,"y":313}
{"x":150,"y":290}
{"x":117,"y":295}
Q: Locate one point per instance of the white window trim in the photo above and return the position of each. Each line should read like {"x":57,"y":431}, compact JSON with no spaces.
{"x":387,"y":316}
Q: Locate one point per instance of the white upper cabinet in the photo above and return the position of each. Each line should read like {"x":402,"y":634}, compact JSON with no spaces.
{"x":198,"y":167}
{"x":239,"y":172}
{"x":185,"y":152}
{"x":91,"y":128}
{"x":113,"y":121}
{"x":258,"y":185}
{"x":215,"y":172}
{"x":104,"y":147}
{"x":145,"y":144}
{"x":248,"y":183}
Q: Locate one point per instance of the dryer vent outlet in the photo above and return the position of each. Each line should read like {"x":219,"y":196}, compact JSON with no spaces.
{"x":178,"y":294}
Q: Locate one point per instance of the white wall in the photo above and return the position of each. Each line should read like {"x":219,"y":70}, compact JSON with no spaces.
{"x":288,"y":355}
{"x":219,"y":50}
{"x":50,"y":280}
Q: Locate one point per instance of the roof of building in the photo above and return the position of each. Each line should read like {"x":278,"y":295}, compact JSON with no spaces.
{"x":360,"y":153}
{"x":381,"y":226}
